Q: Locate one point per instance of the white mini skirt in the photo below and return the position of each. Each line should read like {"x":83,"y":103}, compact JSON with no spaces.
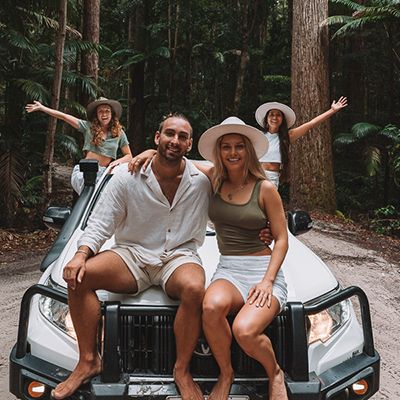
{"x":246,"y":271}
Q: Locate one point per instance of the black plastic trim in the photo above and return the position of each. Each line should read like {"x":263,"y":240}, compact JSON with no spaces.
{"x":25,"y":309}
{"x":68,"y":228}
{"x":111,"y":356}
{"x":345,"y":294}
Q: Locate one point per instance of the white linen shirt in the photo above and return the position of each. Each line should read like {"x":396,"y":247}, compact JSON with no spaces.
{"x":135,"y":210}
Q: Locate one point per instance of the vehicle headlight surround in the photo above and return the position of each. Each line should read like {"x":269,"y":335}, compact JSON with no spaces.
{"x":325,"y":324}
{"x":56,"y":312}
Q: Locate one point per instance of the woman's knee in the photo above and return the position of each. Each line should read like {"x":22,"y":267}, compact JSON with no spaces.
{"x":244,"y":332}
{"x":214,"y":307}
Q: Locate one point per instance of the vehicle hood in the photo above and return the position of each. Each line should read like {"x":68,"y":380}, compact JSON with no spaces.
{"x":307,"y":276}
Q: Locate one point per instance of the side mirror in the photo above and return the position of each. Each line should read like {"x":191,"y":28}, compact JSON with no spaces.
{"x":55,"y":217}
{"x":299,"y":222}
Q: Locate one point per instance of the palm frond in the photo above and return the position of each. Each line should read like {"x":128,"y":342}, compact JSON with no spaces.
{"x":362,"y":130}
{"x":373,"y":159}
{"x":84,"y":45}
{"x":87,"y":84}
{"x":352,"y":5}
{"x":396,"y":168}
{"x":31,"y":192}
{"x":354,"y":26}
{"x":336,"y":20}
{"x":219,"y":57}
{"x":344,"y":139}
{"x":277,"y":79}
{"x":18,"y":40}
{"x":391,"y":132}
{"x":11,"y":176}
{"x":68,"y":146}
{"x":137,"y":58}
{"x":33,"y":90}
{"x":43,"y":20}
{"x":161,"y":51}
{"x":123,"y":53}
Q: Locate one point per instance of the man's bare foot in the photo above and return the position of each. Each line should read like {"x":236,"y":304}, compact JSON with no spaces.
{"x":277,"y":388}
{"x":80,"y":375}
{"x":222,"y":388}
{"x":188,"y":389}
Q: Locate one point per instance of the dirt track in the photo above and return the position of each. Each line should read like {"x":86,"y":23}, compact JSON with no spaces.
{"x":352,"y":264}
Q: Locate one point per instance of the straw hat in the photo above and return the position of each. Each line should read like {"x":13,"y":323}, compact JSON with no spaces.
{"x":208,"y":139}
{"x":261,"y":112}
{"x":114,"y":104}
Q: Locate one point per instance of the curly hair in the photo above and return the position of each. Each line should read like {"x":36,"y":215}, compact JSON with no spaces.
{"x":97,"y":133}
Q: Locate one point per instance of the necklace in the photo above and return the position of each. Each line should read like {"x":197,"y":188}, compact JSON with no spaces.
{"x":236,"y":190}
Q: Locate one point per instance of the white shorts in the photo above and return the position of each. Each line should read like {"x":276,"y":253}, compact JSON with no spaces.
{"x":246,"y":271}
{"x":273,"y":176}
{"x":77,"y":181}
{"x":155,"y":275}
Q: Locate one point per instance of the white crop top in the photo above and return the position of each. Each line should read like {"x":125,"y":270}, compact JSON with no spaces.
{"x":273,"y":154}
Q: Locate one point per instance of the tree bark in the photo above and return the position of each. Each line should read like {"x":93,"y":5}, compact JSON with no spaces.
{"x":136,"y":106}
{"x":91,"y":33}
{"x":247,"y":27}
{"x":55,"y":103}
{"x":173,"y":33}
{"x":311,"y":165}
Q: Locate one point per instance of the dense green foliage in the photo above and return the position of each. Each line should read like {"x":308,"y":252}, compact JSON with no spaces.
{"x":191,"y":52}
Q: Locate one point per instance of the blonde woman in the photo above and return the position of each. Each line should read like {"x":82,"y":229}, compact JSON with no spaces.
{"x":248,"y":279}
{"x":103,"y":134}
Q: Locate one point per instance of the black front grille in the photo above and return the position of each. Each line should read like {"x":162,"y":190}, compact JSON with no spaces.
{"x":147,"y":346}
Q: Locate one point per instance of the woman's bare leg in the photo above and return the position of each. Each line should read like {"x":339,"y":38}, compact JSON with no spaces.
{"x":220,"y":299}
{"x":248,"y":328}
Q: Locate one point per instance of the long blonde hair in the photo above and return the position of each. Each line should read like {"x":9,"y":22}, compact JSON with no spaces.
{"x":97,"y":133}
{"x":252,"y":166}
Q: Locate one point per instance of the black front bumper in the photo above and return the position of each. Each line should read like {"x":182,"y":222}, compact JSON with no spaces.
{"x":325,"y":387}
{"x":333,"y":384}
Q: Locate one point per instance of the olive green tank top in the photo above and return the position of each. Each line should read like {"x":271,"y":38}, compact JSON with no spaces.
{"x":238,"y":226}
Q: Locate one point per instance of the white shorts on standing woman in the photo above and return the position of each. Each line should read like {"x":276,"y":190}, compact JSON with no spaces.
{"x":244,"y":272}
{"x":77,"y":181}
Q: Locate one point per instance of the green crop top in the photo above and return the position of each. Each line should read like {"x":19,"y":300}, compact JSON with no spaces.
{"x":238,"y":226}
{"x":110,"y":145}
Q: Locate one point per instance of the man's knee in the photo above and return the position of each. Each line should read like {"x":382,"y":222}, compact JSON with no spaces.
{"x":193,"y":292}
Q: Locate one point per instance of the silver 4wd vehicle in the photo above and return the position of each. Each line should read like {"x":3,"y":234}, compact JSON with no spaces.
{"x":325,"y":351}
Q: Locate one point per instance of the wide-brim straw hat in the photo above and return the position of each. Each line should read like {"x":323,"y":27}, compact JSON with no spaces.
{"x":114,"y":104}
{"x":208,"y":139}
{"x":261,"y":112}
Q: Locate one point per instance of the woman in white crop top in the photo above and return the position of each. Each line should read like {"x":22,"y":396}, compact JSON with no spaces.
{"x":277,"y":119}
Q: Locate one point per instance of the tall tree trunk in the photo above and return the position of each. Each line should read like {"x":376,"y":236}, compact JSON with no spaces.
{"x":55,"y":103}
{"x":173,"y":33}
{"x":311,"y":166}
{"x":247,"y":27}
{"x":91,"y":33}
{"x":136,"y":106}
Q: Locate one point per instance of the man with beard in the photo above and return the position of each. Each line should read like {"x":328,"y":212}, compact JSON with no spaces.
{"x":154,"y":245}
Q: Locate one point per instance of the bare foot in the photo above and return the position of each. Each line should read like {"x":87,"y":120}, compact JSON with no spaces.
{"x":277,"y":388}
{"x":188,"y":389}
{"x":222,"y":388}
{"x":80,"y":375}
